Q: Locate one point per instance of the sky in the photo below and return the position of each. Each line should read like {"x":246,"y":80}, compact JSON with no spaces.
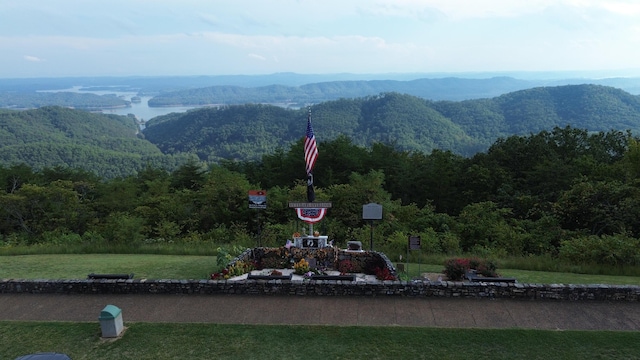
{"x":58,"y":38}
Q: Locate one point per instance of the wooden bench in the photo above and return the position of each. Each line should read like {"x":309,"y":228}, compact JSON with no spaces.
{"x":492,"y":279}
{"x":474,"y":277}
{"x":93,"y":276}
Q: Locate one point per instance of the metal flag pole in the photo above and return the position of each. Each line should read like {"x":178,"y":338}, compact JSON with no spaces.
{"x":310,"y":156}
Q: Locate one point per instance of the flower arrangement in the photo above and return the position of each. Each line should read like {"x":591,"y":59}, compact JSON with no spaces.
{"x":312,"y":272}
{"x":301,"y":267}
{"x":383,"y":273}
{"x":237,"y":269}
{"x":346,"y":266}
{"x":221,"y":275}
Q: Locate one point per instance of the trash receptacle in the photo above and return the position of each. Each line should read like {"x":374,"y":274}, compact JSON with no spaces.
{"x":111,"y":321}
{"x":44,"y":356}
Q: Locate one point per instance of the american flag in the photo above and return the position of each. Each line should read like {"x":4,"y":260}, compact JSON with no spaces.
{"x":310,"y":147}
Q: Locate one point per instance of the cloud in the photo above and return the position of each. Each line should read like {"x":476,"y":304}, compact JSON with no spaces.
{"x":33,"y":58}
{"x":256,"y":56}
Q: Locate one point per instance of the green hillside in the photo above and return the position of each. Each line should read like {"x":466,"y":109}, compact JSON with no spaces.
{"x":34,"y":99}
{"x":249,"y":131}
{"x":55,"y":136}
{"x":110,"y":145}
{"x":407,"y":122}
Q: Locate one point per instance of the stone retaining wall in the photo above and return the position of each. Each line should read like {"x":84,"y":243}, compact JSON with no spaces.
{"x":422,"y":289}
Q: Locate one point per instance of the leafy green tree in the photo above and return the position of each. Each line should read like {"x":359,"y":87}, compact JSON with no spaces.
{"x":484,"y":225}
{"x":600,"y":208}
{"x":189,"y":176}
{"x":223,"y":199}
{"x":613,"y":250}
{"x":17,"y":175}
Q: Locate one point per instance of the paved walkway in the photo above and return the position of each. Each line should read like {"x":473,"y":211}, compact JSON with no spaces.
{"x":359,"y":311}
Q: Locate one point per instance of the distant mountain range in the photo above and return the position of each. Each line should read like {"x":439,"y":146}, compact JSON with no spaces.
{"x":450,"y":88}
{"x":109,"y":146}
{"x":284,"y":89}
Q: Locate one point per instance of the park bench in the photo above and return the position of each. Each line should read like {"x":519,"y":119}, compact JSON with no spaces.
{"x":474,"y":277}
{"x":93,"y":276}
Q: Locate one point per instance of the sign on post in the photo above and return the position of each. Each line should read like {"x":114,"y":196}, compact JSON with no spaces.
{"x":414,"y":242}
{"x":372,"y":211}
{"x":257,"y":199}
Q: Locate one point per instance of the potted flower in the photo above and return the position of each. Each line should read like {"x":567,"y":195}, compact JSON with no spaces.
{"x":301,"y":267}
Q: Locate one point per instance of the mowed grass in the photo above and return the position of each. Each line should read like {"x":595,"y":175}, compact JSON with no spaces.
{"x":540,"y":277}
{"x":144,"y":266}
{"x":215,"y":341}
{"x":67,"y":266}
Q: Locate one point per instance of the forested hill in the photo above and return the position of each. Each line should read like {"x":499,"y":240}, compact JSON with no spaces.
{"x":54,"y":136}
{"x":31,"y":100}
{"x":404,"y":121}
{"x":249,"y":131}
{"x":108,"y":144}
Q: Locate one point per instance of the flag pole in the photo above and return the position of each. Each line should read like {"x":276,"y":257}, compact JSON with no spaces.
{"x":310,"y":156}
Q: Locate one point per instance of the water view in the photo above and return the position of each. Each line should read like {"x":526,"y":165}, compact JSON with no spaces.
{"x":141,"y":109}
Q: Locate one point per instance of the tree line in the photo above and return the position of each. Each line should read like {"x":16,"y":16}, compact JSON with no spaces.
{"x":566,"y":193}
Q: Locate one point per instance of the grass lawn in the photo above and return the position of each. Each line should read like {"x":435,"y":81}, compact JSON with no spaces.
{"x":63,"y":266}
{"x":78,"y":266}
{"x":215,"y":341}
{"x":542,"y":277}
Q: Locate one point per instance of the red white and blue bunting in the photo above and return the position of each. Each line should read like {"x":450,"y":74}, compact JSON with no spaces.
{"x":311,"y":215}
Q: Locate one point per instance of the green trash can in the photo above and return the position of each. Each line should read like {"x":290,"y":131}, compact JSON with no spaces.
{"x":111,"y":321}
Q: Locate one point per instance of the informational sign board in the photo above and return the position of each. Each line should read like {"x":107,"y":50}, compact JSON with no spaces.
{"x":257,"y":199}
{"x":372,"y":211}
{"x":414,"y":242}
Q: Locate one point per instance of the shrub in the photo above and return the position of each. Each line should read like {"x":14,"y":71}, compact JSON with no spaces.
{"x":614,"y":250}
{"x":456,"y":268}
{"x":449,"y":242}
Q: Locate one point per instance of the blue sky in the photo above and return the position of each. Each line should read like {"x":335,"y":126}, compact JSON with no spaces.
{"x":53,"y":38}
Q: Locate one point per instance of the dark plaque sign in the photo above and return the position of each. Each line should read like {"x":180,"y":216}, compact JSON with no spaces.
{"x":414,"y":242}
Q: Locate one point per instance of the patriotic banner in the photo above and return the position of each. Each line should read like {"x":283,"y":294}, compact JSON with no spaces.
{"x":310,"y":147}
{"x":311,"y":215}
